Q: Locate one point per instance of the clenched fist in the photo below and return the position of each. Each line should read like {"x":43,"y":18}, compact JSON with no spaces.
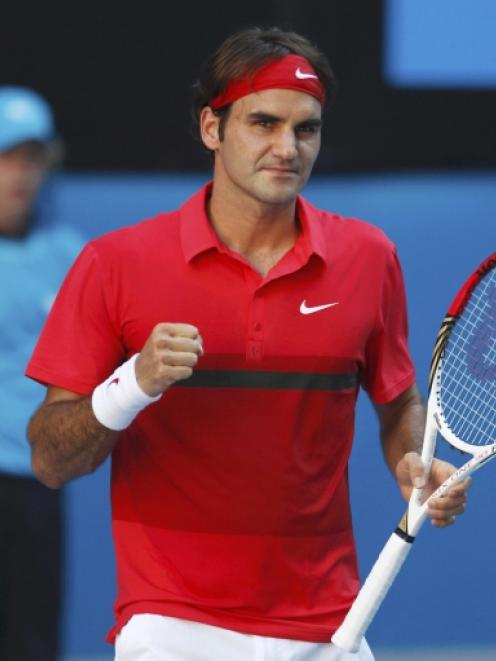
{"x":169,"y":355}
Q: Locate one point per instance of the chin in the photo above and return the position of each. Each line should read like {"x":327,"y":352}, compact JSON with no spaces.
{"x":279,"y":194}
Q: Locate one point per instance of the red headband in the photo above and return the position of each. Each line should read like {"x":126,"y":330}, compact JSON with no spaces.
{"x":291,"y":72}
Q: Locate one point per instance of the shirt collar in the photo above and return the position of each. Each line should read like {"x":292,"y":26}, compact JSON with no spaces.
{"x":312,"y":235}
{"x":197,"y":235}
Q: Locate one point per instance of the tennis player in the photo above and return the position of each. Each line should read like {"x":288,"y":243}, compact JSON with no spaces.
{"x":217,"y":352}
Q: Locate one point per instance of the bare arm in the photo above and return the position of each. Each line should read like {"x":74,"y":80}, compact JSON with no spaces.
{"x":67,"y":441}
{"x":402,"y":424}
{"x":66,"y":438}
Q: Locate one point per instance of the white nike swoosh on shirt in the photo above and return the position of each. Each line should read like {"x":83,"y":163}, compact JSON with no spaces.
{"x":304,"y":309}
{"x":303,"y":76}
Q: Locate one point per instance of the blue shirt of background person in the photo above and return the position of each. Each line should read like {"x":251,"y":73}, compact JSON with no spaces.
{"x":34,"y":256}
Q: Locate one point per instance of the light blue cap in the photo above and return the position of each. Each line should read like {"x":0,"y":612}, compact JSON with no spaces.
{"x":24,"y":116}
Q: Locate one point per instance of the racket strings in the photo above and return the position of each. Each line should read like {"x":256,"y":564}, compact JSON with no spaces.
{"x":467,"y":390}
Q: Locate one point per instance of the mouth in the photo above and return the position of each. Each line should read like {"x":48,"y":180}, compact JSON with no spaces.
{"x":281,"y":172}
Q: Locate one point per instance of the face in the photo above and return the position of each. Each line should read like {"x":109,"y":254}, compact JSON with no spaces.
{"x":271,"y":140}
{"x":22,"y":172}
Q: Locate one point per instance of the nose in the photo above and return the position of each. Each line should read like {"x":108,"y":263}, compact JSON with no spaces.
{"x":285,"y":145}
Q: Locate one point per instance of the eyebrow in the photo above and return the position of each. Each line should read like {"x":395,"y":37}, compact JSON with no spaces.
{"x":263,"y":116}
{"x":258,"y":116}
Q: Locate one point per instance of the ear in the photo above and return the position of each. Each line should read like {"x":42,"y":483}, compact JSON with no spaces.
{"x":209,"y":128}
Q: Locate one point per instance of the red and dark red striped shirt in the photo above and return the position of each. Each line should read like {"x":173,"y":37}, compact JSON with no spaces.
{"x":230,"y":494}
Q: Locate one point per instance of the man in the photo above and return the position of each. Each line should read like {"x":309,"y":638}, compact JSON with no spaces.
{"x":34,"y":256}
{"x":241,"y":327}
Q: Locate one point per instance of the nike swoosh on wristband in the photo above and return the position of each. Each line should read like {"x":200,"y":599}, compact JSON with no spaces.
{"x":304,"y":309}
{"x":303,"y":76}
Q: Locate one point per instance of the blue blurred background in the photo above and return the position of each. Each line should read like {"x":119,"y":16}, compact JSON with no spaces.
{"x":409,"y":145}
{"x":441,"y":44}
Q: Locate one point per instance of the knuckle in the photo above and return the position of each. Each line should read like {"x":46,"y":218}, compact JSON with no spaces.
{"x":161,"y":342}
{"x":160,"y":329}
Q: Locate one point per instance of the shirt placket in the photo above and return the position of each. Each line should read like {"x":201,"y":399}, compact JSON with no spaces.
{"x":259,"y":288}
{"x":256,"y":326}
{"x":255,"y":331}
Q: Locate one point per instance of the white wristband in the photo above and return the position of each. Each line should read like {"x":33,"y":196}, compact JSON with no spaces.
{"x":119,"y":399}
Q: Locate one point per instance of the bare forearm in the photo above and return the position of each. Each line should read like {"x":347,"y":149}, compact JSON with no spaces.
{"x":402,"y":427}
{"x":67,"y":441}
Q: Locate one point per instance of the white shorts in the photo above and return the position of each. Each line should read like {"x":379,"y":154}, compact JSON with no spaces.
{"x":157,"y":638}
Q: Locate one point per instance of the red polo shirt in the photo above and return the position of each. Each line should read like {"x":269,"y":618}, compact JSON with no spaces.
{"x":230,"y":494}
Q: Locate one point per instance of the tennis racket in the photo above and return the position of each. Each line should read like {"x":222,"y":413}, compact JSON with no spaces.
{"x":462,"y":408}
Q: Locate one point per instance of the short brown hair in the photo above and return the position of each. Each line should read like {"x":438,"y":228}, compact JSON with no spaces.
{"x":243,"y":53}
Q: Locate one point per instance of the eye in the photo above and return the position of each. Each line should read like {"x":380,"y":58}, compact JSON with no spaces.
{"x":308,"y":129}
{"x":264,"y":123}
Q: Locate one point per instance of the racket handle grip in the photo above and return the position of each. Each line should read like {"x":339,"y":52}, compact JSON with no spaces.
{"x":349,"y":635}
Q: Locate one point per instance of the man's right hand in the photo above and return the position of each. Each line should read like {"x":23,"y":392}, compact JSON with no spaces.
{"x":169,"y":355}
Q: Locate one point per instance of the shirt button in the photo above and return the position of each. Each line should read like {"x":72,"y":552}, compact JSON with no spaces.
{"x":258,"y":326}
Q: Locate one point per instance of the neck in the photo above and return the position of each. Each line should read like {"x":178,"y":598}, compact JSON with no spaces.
{"x":260,"y":232}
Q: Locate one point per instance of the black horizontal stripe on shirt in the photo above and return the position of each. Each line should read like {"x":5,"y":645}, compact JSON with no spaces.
{"x":268,"y":380}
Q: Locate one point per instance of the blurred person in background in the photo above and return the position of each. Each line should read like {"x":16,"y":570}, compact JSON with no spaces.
{"x":34,"y":255}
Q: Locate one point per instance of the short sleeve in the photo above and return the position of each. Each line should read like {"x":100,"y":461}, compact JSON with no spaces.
{"x":80,"y":344}
{"x":388,"y":369}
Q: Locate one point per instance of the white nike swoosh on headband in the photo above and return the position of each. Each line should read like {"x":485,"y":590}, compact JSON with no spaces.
{"x":304,"y":309}
{"x":303,"y":76}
